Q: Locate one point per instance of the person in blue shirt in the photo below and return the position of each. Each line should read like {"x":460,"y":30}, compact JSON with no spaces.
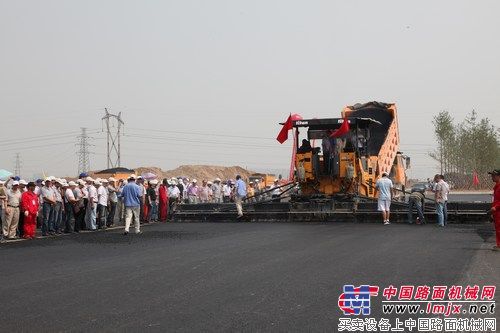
{"x":240,"y":190}
{"x":131,"y":195}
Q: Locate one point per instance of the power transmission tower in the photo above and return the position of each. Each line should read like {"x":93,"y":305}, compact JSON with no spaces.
{"x":17,"y":165}
{"x":113,"y":129}
{"x":83,"y":151}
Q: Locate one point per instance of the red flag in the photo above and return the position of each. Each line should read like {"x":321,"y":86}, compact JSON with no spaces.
{"x":283,"y":135}
{"x":475,"y":179}
{"x":343,"y":129}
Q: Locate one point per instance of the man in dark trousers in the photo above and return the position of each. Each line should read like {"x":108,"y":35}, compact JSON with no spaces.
{"x":416,"y":201}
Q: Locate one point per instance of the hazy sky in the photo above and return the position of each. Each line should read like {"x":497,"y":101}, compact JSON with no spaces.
{"x":228,"y":71}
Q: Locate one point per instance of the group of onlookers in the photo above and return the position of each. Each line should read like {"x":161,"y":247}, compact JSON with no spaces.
{"x":57,"y":206}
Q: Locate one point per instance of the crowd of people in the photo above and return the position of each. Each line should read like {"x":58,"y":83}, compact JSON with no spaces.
{"x":56,"y":206}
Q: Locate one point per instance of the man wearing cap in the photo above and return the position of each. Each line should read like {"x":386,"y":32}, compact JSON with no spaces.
{"x":12,"y":211}
{"x":240,"y":192}
{"x":58,"y":207}
{"x":217,"y":191}
{"x":48,"y":202}
{"x":131,"y":194}
{"x":180,"y":186}
{"x":29,"y":206}
{"x":495,"y":206}
{"x":79,"y":207}
{"x":102,"y":203}
{"x":113,"y":202}
{"x":70,"y":202}
{"x":173,"y":198}
{"x":91,"y":209}
{"x":204,"y":192}
{"x":385,"y":190}
{"x":192,"y":192}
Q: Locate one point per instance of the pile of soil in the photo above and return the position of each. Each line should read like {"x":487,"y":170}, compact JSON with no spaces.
{"x":199,"y":172}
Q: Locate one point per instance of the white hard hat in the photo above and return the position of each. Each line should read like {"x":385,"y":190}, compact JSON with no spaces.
{"x":195,"y":181}
{"x":209,"y":183}
{"x":217,"y":179}
{"x":111,"y":179}
{"x":72,"y":183}
{"x":154,"y":181}
{"x":133,"y":176}
{"x":15,"y":183}
{"x":104,"y":181}
{"x":23,"y":182}
{"x":97,"y":182}
{"x":89,"y":179}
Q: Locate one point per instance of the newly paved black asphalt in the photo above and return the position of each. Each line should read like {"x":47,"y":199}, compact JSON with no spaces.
{"x":226,"y":277}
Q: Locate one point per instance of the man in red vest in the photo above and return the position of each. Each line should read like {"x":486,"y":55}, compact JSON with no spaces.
{"x":29,"y":207}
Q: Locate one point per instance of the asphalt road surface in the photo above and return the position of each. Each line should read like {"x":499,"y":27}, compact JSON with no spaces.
{"x":227,"y":277}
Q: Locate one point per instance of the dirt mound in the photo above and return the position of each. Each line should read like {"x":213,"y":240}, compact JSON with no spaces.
{"x":200,"y":172}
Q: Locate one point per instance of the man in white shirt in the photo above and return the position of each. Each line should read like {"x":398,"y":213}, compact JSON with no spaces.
{"x":441,"y":190}
{"x":217,"y":191}
{"x":69,"y":203}
{"x":91,"y":211}
{"x":226,"y":192}
{"x":102,"y":203}
{"x":113,"y":201}
{"x":385,"y":191}
{"x":49,"y":200}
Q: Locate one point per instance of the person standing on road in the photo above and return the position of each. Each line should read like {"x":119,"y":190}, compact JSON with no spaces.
{"x":495,"y":206}
{"x":440,"y":194}
{"x":226,"y":191}
{"x":445,"y":197}
{"x":102,"y":203}
{"x":385,"y":191}
{"x":58,"y":206}
{"x":163,"y":201}
{"x":12,"y":211}
{"x":70,"y":203}
{"x":113,"y":202}
{"x":49,"y":201}
{"x":240,"y":192}
{"x":151,"y":200}
{"x":142,"y":190}
{"x":217,"y":190}
{"x":91,"y":212}
{"x":416,"y":201}
{"x":29,"y":206}
{"x":132,"y":196}
{"x":79,"y":207}
{"x":3,"y":205}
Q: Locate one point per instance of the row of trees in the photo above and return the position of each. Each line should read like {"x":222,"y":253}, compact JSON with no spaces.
{"x":465,"y":148}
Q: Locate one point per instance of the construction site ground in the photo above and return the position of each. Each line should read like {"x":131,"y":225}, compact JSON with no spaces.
{"x":228,"y":276}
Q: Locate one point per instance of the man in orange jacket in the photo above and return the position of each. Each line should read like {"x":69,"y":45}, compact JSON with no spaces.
{"x":495,"y":206}
{"x":29,"y":207}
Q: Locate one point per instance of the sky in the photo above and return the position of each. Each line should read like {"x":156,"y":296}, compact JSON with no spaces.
{"x":207,"y":82}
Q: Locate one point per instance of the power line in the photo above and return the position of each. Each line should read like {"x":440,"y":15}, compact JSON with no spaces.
{"x":83,"y":151}
{"x":113,"y":139}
